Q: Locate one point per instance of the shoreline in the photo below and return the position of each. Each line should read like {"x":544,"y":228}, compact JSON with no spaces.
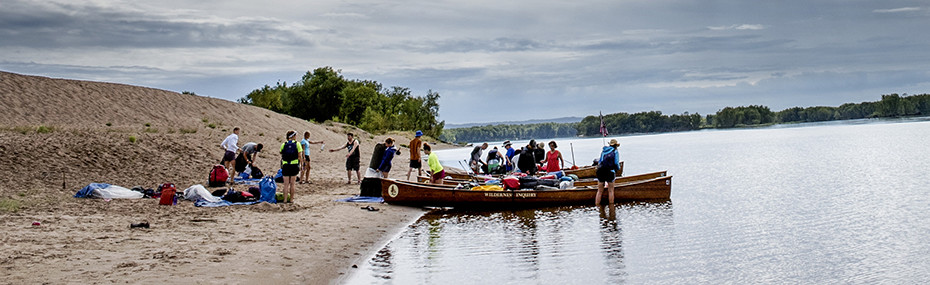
{"x":358,"y":262}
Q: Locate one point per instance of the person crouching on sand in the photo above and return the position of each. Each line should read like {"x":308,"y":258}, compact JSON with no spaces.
{"x":290,"y":164}
{"x":436,"y":173}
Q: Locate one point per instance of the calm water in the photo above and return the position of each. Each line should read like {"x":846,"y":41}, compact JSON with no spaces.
{"x":813,"y":203}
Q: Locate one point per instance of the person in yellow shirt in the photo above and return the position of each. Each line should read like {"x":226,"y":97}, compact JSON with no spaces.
{"x":437,"y":174}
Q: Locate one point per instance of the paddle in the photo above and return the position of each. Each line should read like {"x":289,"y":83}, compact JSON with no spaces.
{"x":573,"y":153}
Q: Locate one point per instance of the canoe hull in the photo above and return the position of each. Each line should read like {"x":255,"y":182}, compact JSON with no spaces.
{"x":416,"y":194}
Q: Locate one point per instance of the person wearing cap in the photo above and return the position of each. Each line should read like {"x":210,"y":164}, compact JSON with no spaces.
{"x":510,"y":153}
{"x":415,"y":162}
{"x":607,"y":168}
{"x":291,"y":159}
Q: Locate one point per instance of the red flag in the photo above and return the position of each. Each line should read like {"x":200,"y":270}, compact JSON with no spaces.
{"x":603,"y":129}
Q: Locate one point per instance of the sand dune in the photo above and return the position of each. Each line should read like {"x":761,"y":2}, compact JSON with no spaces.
{"x":58,"y":135}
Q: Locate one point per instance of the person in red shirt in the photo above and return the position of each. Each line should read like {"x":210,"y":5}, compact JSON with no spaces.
{"x":554,"y":159}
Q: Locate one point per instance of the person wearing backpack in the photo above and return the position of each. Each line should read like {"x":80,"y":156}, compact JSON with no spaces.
{"x":607,"y":168}
{"x":290,"y":164}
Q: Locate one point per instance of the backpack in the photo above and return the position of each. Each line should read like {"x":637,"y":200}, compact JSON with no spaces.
{"x":268,"y":190}
{"x":218,"y":176}
{"x":289,"y":152}
{"x":168,"y":196}
{"x":257,"y":173}
{"x":609,"y":162}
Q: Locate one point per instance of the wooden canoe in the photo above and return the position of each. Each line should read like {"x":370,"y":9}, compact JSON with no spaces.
{"x":579,"y":183}
{"x":398,"y":192}
{"x":589,"y":171}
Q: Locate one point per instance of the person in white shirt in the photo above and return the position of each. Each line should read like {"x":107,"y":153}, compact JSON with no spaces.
{"x":231,"y":145}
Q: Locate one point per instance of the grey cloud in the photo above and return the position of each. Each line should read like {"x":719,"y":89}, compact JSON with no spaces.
{"x":50,"y":26}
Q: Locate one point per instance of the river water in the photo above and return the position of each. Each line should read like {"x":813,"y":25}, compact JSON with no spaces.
{"x":839,"y":202}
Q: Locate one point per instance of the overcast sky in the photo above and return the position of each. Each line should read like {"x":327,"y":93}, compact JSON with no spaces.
{"x":492,"y":60}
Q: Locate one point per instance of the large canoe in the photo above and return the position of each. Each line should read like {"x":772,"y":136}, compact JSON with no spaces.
{"x":418,"y":194}
{"x":579,"y":183}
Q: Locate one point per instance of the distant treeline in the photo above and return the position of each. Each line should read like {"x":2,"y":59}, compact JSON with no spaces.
{"x":509,"y":132}
{"x":892,"y":105}
{"x":325,"y":95}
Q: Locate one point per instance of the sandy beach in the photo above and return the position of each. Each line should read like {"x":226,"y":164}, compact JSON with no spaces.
{"x":57,"y":136}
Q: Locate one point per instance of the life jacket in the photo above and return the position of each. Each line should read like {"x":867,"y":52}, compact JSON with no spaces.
{"x":492,"y":154}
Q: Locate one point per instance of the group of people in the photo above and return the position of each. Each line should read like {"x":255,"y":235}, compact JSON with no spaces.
{"x":295,"y":158}
{"x":530,"y":159}
{"x":533,"y":158}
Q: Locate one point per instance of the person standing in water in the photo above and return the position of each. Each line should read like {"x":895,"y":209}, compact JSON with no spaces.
{"x":607,"y":168}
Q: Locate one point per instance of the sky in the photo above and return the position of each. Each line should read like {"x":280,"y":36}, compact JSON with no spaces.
{"x":492,"y":60}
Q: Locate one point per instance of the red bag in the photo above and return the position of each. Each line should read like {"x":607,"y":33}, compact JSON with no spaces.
{"x":511,"y":183}
{"x":218,"y":176}
{"x":168,"y":196}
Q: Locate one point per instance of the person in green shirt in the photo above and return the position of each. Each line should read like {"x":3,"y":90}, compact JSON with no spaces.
{"x":291,"y":159}
{"x":436,"y":173}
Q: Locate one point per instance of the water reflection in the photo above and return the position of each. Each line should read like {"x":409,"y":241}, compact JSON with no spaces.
{"x":572,"y":244}
{"x":612,"y":245}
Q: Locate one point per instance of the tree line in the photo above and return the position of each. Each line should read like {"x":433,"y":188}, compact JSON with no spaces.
{"x":324,"y":94}
{"x":509,"y":132}
{"x":891,"y":105}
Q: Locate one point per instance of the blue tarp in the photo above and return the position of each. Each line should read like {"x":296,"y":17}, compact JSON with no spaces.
{"x":89,"y":189}
{"x":362,"y":199}
{"x":205,"y":203}
{"x":241,"y":181}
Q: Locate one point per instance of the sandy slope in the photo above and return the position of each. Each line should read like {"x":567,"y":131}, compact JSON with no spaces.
{"x":314,"y":240}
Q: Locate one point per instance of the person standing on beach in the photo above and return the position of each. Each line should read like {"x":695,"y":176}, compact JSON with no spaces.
{"x":415,"y":162}
{"x":290,"y":164}
{"x":435,"y":171}
{"x":352,"y":158}
{"x":553,"y":158}
{"x":305,"y":166}
{"x":231,"y":145}
{"x":607,"y":168}
{"x":384,"y":168}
